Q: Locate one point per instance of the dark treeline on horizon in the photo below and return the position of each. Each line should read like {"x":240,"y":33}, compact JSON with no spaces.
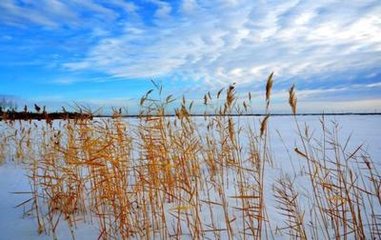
{"x":38,"y":115}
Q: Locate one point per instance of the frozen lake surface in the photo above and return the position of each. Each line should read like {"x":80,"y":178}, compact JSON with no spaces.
{"x":364,"y":130}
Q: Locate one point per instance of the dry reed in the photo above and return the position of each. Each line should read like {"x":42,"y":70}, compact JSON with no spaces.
{"x":171,"y":177}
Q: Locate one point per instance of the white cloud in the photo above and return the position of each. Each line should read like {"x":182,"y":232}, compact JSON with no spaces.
{"x":374,"y":85}
{"x":244,"y":41}
{"x":369,"y":105}
{"x":129,"y":7}
{"x":57,"y":13}
{"x":163,"y":8}
{"x":216,"y":42}
{"x":188,"y":6}
{"x":15,"y":15}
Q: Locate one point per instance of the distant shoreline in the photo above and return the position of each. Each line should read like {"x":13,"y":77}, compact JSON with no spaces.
{"x":74,"y":115}
{"x":248,"y":115}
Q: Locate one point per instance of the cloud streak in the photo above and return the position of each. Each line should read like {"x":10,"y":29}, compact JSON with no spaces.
{"x":53,"y":14}
{"x":243,"y":41}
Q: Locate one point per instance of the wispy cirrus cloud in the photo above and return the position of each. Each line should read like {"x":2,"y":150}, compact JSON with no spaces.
{"x":217,"y":41}
{"x":57,"y":13}
{"x":244,"y":40}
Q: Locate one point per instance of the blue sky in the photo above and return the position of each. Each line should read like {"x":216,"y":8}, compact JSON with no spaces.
{"x":105,"y":53}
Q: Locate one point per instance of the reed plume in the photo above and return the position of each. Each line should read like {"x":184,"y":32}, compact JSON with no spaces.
{"x":292,"y":99}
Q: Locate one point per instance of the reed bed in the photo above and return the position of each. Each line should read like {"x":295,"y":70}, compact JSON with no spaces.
{"x":162,"y":177}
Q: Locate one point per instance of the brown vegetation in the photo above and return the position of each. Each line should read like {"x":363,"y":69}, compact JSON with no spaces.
{"x":174,"y":177}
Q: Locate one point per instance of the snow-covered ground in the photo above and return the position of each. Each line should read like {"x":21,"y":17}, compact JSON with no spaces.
{"x":363,"y":130}
{"x":13,"y":223}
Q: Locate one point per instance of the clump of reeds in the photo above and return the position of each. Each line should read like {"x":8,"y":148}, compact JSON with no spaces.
{"x":161,"y":176}
{"x":287,"y":197}
{"x":345,"y":203}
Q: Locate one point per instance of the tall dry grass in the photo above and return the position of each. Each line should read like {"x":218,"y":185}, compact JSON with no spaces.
{"x":198,"y":178}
